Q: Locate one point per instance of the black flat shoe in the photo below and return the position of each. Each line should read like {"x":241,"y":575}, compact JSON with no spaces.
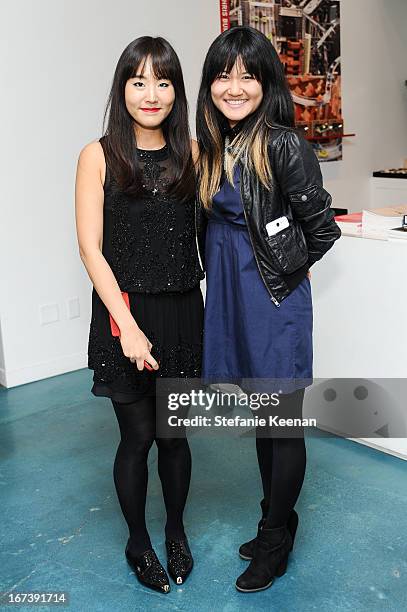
{"x":149,"y":570}
{"x":269,"y":560}
{"x":180,"y":561}
{"x":246,"y":550}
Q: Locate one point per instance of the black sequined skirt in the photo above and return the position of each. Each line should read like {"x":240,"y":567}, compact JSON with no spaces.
{"x":173,"y":322}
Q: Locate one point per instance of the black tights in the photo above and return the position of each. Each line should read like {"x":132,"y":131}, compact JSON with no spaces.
{"x":282,"y":463}
{"x":137,"y":422}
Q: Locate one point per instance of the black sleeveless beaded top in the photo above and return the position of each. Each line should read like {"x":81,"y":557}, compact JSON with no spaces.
{"x":150,"y":241}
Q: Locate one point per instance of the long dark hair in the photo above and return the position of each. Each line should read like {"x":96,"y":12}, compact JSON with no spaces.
{"x":261,"y":60}
{"x":119,"y":141}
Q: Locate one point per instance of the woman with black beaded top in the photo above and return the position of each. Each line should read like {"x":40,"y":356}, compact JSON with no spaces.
{"x":135,"y":207}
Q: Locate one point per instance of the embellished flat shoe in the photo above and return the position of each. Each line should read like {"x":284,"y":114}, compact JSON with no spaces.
{"x":180,"y":561}
{"x":149,"y":570}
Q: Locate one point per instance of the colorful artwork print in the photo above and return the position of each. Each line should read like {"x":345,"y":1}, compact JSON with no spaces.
{"x":306,"y":35}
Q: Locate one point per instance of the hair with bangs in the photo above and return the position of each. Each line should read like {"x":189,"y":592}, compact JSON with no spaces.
{"x":254,"y":51}
{"x":119,"y":142}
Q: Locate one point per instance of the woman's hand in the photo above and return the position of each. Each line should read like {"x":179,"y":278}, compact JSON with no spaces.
{"x":309,"y":274}
{"x":136,"y":346}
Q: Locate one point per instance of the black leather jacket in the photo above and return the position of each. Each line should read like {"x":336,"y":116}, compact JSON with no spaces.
{"x":283,"y":259}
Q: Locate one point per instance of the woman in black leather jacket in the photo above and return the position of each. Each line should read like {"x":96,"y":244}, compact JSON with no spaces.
{"x":268,"y":220}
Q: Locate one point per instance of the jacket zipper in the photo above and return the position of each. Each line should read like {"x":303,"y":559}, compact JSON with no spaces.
{"x":273,"y":299}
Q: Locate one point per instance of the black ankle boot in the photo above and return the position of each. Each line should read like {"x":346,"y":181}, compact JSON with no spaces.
{"x":180,"y":561}
{"x":149,"y":570}
{"x":269,"y":560}
{"x":246,"y":550}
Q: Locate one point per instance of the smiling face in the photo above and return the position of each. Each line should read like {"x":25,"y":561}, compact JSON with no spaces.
{"x":148,"y":100}
{"x":237,"y":93}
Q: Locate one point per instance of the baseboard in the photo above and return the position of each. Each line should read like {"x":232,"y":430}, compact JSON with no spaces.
{"x":397,"y":447}
{"x":391,"y":446}
{"x":46,"y":369}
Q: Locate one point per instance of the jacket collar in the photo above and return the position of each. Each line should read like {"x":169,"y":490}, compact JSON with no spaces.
{"x":231,"y":132}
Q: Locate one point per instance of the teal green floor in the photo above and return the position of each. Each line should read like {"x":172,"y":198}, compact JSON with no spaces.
{"x":62,"y":529}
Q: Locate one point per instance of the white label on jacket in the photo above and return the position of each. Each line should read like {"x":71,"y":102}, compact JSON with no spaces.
{"x":277,"y":226}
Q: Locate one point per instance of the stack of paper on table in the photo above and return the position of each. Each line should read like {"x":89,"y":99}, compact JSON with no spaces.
{"x":398,"y":234}
{"x":350,"y":224}
{"x":376,"y":222}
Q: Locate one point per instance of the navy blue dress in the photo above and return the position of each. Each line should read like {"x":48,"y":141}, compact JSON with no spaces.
{"x":248,"y":340}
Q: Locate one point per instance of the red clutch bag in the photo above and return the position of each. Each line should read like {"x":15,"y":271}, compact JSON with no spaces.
{"x":115,"y":328}
{"x":113,"y":325}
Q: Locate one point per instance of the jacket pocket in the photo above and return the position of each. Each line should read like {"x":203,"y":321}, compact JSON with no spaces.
{"x":289,"y":248}
{"x":310,"y":202}
{"x":305,"y":195}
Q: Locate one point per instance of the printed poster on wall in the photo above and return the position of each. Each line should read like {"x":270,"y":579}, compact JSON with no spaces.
{"x":306,"y":35}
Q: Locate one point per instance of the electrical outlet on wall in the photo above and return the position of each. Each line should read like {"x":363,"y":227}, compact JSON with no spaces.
{"x":49,"y":313}
{"x":73,"y":308}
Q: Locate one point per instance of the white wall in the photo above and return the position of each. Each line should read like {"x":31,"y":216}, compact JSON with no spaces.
{"x":2,"y":362}
{"x":57,"y":62}
{"x":373,"y":51}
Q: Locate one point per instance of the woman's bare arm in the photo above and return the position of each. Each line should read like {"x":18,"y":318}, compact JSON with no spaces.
{"x":89,"y":224}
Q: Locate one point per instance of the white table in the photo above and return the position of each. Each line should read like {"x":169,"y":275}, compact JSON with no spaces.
{"x":360,"y":332}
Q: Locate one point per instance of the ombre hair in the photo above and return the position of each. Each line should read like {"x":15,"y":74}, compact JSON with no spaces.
{"x":119,"y":142}
{"x":254,"y":51}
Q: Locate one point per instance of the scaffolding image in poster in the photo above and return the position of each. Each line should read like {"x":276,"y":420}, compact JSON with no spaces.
{"x":306,"y":35}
